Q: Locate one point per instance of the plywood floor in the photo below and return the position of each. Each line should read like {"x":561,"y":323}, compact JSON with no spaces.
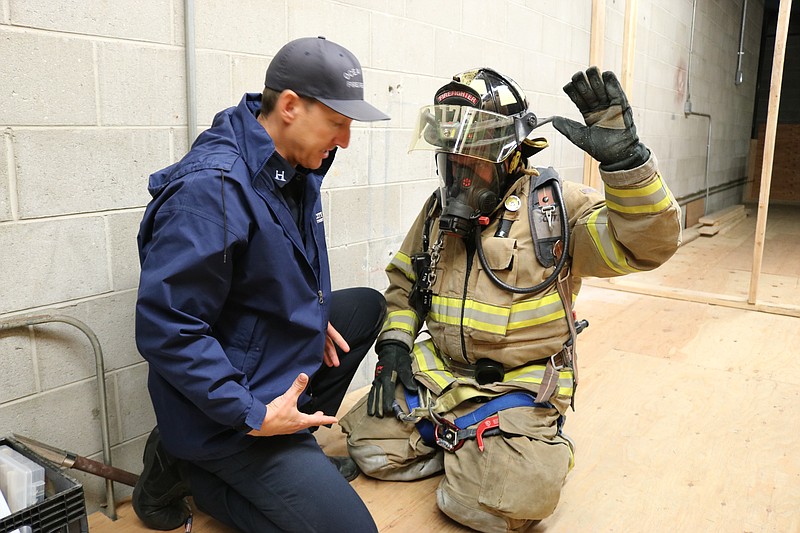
{"x":686,"y":416}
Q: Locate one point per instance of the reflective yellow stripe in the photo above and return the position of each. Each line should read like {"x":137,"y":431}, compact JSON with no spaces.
{"x":536,"y":311}
{"x":432,"y":366}
{"x":429,"y":363}
{"x":607,"y":244}
{"x":402,"y":262}
{"x":402,"y":320}
{"x":495,"y":319}
{"x":535,"y":374}
{"x":652,"y":198}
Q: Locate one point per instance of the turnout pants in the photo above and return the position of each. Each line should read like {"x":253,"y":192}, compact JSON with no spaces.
{"x":286,"y":483}
{"x":515,"y":480}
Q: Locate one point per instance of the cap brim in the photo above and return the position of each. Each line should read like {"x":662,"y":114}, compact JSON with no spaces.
{"x":355,"y":109}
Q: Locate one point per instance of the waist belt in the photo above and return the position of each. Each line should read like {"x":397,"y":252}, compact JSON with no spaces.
{"x":450,"y":435}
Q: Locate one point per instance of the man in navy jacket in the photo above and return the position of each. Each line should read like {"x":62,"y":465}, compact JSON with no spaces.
{"x":249,"y":350}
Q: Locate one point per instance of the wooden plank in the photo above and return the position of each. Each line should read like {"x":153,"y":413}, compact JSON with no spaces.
{"x":708,"y":231}
{"x":694,"y":210}
{"x":591,"y":168}
{"x":719,"y":217}
{"x":629,"y":46}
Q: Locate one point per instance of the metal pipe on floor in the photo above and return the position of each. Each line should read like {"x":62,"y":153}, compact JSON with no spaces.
{"x":101,"y":385}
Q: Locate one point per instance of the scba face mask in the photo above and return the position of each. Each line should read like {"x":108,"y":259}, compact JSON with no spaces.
{"x":470,"y":188}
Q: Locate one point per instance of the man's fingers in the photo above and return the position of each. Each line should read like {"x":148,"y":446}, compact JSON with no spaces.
{"x":337,"y":338}
{"x":320,"y":419}
{"x":297,"y":388}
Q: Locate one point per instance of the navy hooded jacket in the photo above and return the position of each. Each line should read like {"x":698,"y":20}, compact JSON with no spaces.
{"x":232,"y":304}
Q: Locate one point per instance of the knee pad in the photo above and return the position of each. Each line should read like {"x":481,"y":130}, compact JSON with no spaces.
{"x":474,"y":516}
{"x":386,"y":448}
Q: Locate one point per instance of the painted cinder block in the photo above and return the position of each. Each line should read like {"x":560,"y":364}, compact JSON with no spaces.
{"x":64,"y":352}
{"x":16,"y":364}
{"x":346,"y":25}
{"x":6,"y":163}
{"x":47,"y":79}
{"x":52,"y":261}
{"x":250,"y":26}
{"x":62,"y":171}
{"x":127,"y":19}
{"x":140,"y":85}
{"x":123,"y":227}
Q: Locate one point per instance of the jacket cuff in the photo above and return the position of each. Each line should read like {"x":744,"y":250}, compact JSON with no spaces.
{"x":396,"y":335}
{"x":255,"y":417}
{"x":626,"y":178}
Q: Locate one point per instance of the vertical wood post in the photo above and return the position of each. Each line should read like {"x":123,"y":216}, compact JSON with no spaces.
{"x":629,"y":46}
{"x":778,"y":57}
{"x":591,"y":174}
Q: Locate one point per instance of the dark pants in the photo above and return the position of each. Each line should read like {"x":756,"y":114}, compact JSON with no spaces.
{"x":286,"y":483}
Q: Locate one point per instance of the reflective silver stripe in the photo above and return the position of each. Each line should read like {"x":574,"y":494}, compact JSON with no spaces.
{"x":403,"y":320}
{"x":652,"y":198}
{"x":402,"y":262}
{"x":429,"y":363}
{"x":477,"y":315}
{"x":597,"y":224}
{"x":536,"y":311}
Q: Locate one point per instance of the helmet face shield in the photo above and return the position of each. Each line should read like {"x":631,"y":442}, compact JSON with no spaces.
{"x":466,"y":131}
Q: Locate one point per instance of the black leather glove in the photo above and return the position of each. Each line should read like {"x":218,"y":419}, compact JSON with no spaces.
{"x":609,"y":135}
{"x":394,"y":361}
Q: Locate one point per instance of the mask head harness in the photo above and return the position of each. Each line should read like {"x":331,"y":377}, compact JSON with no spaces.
{"x":476,"y":126}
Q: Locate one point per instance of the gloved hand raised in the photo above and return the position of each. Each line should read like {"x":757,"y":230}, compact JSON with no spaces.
{"x":609,"y":135}
{"x":394,"y":360}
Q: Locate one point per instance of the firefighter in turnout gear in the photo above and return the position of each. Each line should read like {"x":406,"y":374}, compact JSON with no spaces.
{"x":477,"y":366}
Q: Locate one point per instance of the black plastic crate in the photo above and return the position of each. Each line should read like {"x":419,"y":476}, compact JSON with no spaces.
{"x":64,"y":507}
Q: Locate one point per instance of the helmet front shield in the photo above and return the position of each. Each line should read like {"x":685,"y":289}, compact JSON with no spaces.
{"x":467,"y":131}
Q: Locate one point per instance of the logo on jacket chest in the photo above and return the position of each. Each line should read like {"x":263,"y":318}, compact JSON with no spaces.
{"x":319,"y":217}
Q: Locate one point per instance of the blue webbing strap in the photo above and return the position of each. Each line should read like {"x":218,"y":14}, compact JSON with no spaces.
{"x":506,"y":401}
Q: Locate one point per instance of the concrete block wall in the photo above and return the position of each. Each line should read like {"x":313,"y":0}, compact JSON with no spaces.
{"x":92,"y":99}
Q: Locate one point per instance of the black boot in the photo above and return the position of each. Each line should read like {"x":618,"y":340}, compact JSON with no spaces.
{"x":346,"y":466}
{"x":159,"y":495}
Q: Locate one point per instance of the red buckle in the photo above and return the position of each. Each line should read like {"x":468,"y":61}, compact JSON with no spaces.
{"x":487,"y":423}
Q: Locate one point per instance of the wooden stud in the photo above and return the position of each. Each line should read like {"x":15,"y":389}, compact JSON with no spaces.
{"x":769,"y":144}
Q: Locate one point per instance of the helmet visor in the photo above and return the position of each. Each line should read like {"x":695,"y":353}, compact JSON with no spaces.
{"x":465,"y":131}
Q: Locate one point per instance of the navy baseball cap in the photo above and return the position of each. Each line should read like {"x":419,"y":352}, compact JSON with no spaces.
{"x":323,"y":70}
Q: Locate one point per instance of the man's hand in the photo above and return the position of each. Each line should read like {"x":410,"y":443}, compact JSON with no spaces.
{"x":333,"y":339}
{"x":283,"y":418}
{"x":609,"y":135}
{"x":394,"y":360}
